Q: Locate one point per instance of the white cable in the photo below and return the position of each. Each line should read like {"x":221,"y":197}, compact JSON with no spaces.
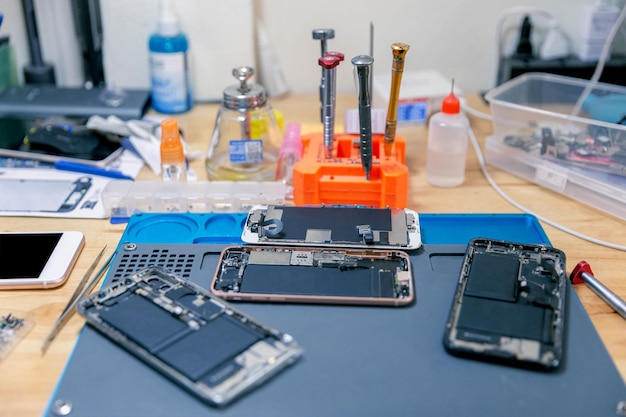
{"x":555,"y":45}
{"x":483,"y":167}
{"x":474,"y":112}
{"x":606,"y":48}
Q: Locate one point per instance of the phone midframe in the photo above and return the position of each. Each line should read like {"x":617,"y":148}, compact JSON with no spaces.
{"x":314,"y":275}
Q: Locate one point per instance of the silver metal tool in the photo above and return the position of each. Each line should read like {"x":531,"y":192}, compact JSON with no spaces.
{"x":399,"y":51}
{"x":363,"y":66}
{"x":329,"y":64}
{"x":372,"y":55}
{"x":323,"y":35}
{"x":70,"y":309}
{"x":84,"y":280}
{"x":335,"y":54}
{"x":243,"y":75}
{"x":582,"y":273}
{"x":339,"y":56}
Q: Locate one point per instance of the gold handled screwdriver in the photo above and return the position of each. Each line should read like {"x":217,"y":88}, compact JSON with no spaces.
{"x":399,"y":51}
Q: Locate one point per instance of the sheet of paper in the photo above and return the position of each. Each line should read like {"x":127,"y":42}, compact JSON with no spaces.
{"x":43,"y":191}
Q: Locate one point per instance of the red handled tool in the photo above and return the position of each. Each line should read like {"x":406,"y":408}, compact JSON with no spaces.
{"x":582,"y":273}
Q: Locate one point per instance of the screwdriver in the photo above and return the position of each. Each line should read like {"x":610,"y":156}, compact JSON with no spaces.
{"x":582,"y":273}
{"x":399,"y":51}
{"x":323,"y":35}
{"x":363,"y":66}
{"x":329,"y":64}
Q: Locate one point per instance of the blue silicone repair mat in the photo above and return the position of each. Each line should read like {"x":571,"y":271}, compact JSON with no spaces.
{"x":226,"y":228}
{"x":358,"y":361}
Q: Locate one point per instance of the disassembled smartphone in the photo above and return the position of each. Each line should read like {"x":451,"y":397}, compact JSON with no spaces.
{"x":333,"y":225}
{"x":314,"y":275}
{"x":509,"y":304}
{"x":38,"y":259}
{"x":202,"y":343}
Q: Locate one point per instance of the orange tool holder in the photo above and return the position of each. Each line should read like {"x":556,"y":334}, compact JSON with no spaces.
{"x":341,"y":179}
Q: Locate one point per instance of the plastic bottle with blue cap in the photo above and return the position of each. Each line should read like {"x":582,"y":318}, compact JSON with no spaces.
{"x":169,"y":69}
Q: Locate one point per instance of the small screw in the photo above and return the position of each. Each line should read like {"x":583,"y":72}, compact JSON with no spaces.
{"x":130,"y":246}
{"x":61,"y":407}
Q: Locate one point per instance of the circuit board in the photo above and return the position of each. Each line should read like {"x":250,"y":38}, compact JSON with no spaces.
{"x":314,"y":275}
{"x":349,"y":226}
{"x":509,"y":304}
{"x":595,"y":148}
{"x":204,"y":344}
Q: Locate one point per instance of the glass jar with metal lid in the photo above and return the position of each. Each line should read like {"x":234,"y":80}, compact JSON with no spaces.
{"x":246,"y":138}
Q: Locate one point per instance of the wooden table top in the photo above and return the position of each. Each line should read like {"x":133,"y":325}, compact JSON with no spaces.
{"x":28,"y":378}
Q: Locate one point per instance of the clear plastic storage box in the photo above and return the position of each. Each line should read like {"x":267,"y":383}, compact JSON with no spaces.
{"x":539,"y":135}
{"x":123,"y":198}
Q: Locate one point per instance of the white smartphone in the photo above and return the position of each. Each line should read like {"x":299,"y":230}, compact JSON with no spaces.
{"x":333,"y":226}
{"x":38,"y":259}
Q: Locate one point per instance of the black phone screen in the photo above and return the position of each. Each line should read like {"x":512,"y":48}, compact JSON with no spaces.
{"x":25,"y":255}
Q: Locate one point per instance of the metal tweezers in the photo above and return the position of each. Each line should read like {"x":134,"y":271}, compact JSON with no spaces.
{"x":84,"y":287}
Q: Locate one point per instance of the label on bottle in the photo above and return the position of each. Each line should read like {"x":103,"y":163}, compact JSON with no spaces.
{"x":245,"y":151}
{"x":170,"y":83}
{"x":414,"y":110}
